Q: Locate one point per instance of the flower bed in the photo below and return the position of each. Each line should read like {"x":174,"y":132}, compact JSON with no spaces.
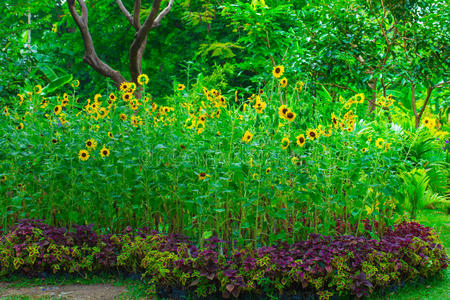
{"x":321,"y":266}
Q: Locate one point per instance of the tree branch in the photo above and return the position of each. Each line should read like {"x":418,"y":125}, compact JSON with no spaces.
{"x":429,"y":91}
{"x":138,"y":46}
{"x":125,"y":11}
{"x":90,"y":56}
{"x":165,"y":11}
{"x":136,"y":14}
{"x":440,"y":84}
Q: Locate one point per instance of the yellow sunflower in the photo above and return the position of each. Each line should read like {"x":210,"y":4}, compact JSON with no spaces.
{"x":181,"y":87}
{"x":387,"y":146}
{"x":299,"y":86}
{"x":124,"y":86}
{"x":123,"y":117}
{"x":104,"y":151}
{"x":91,"y":144}
{"x":312,"y":134}
{"x":301,"y":140}
{"x":290,"y":116}
{"x":142,"y":79}
{"x":110,"y":135}
{"x":361,"y":98}
{"x":43,"y":103}
{"x":127,"y":97}
{"x":202,"y":176}
{"x":364,"y":150}
{"x":57,"y":109}
{"x":260,"y":106}
{"x":268,"y":170}
{"x":247,"y":137}
{"x":20,"y":126}
{"x":83,"y":155}
{"x":285,"y":142}
{"x":283,"y":82}
{"x":282,"y":111}
{"x":379,"y":143}
{"x":278,"y":71}
{"x":75,"y":84}
{"x":38,"y":89}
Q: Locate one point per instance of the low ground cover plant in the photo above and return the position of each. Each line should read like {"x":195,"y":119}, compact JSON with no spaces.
{"x":320,"y":266}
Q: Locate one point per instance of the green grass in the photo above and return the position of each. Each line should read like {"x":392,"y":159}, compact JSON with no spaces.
{"x":437,"y":288}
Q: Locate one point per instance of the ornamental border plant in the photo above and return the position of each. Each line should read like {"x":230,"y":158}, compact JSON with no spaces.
{"x":321,"y":266}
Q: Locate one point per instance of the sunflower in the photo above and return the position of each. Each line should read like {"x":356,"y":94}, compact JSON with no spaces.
{"x":301,"y":140}
{"x":124,"y":86}
{"x":54,"y":141}
{"x":247,"y":137}
{"x":112,"y":97}
{"x":111,"y":136}
{"x":65,"y":102}
{"x":21,"y":98}
{"x":290,"y":115}
{"x":285,"y":142}
{"x":200,"y":127}
{"x":123,"y":117}
{"x":361,"y":98}
{"x":43,"y":103}
{"x":295,"y":160}
{"x":311,"y":133}
{"x":202,"y":176}
{"x":299,"y":86}
{"x":91,"y":144}
{"x":57,"y":109}
{"x":222,"y":101}
{"x":127,"y":97}
{"x":96,"y":97}
{"x":379,"y":143}
{"x":259,"y":106}
{"x":104,"y":151}
{"x":142,"y":79}
{"x":428,"y":122}
{"x":38,"y":89}
{"x":75,"y":83}
{"x":255,"y":176}
{"x":282,"y":111}
{"x":283,"y":82}
{"x":364,"y":150}
{"x":83,"y":155}
{"x":278,"y":71}
{"x":268,"y":170}
{"x":20,"y":127}
{"x":3,"y":178}
{"x":180,"y":87}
